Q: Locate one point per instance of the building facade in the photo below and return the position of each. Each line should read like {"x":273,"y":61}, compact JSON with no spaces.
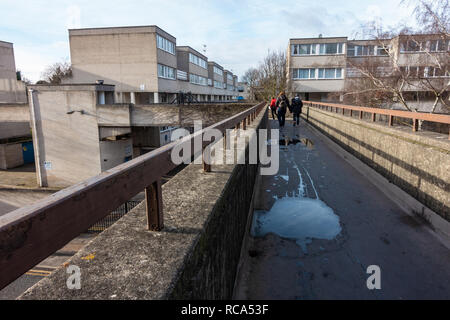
{"x":12,"y":89}
{"x":145,"y":65}
{"x":325,"y":69}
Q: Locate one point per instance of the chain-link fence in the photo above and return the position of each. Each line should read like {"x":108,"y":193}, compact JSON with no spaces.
{"x":111,"y":218}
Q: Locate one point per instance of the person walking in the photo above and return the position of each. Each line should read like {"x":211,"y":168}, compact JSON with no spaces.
{"x":297,"y":105}
{"x":282,"y":105}
{"x":273,"y":107}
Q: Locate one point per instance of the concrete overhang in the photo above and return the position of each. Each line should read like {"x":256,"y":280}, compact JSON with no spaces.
{"x":121,"y":30}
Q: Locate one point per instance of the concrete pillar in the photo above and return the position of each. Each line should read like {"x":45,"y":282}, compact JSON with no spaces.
{"x":155,"y":97}
{"x":132,"y":98}
{"x":118,"y":97}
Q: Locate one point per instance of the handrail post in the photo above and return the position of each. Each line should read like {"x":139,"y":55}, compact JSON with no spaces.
{"x":154,"y":206}
{"x":360,"y":114}
{"x":415,"y":125}
{"x":373,"y":116}
{"x":244,"y":124}
{"x":206,"y":159}
{"x":391,"y":120}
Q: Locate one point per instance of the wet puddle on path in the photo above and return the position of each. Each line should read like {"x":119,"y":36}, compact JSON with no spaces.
{"x":299,"y":217}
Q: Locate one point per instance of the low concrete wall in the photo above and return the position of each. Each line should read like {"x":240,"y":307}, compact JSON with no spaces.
{"x":418,"y":163}
{"x":194,"y":257}
{"x":11,"y":155}
{"x":166,"y":115}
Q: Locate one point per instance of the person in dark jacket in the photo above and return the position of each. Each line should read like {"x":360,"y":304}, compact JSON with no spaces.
{"x":282,"y":106}
{"x":296,"y":109}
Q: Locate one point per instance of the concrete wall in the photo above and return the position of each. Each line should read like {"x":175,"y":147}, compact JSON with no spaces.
{"x":113,"y":153}
{"x":125,"y":59}
{"x":165,"y":115}
{"x":11,"y":90}
{"x":14,"y":129}
{"x":67,"y":144}
{"x":415,"y":162}
{"x":17,"y":112}
{"x":11,"y":155}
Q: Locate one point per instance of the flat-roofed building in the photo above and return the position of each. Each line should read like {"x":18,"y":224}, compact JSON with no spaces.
{"x":193,"y":73}
{"x":140,"y":61}
{"x":324,"y":69}
{"x":228,"y":84}
{"x":316,"y":66}
{"x":216,"y":74}
{"x":12,"y":89}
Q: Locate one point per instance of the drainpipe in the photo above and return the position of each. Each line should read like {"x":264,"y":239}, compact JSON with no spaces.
{"x":35,"y":138}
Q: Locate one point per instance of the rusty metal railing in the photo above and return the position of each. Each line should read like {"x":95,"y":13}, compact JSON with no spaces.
{"x":414,"y":116}
{"x":30,"y":234}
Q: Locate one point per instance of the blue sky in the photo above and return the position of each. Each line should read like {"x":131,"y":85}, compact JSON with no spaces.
{"x":237,"y":33}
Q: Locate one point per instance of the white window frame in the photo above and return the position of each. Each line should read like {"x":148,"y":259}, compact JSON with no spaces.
{"x":198,"y":61}
{"x":165,"y":72}
{"x":198,"y":80}
{"x":218,"y":71}
{"x":165,"y":44}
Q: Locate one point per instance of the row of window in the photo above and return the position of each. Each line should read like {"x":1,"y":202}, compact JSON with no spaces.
{"x":318,"y":73}
{"x":166,"y":72}
{"x":431,"y":46}
{"x":425,"y":72}
{"x":366,"y":50}
{"x":218,"y":71}
{"x":198,"y":61}
{"x":229,"y":77}
{"x":317,"y":48}
{"x":196,"y":79}
{"x":164,"y":44}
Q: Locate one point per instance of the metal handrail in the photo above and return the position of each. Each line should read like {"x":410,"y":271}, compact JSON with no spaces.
{"x":30,"y":234}
{"x":415,"y":116}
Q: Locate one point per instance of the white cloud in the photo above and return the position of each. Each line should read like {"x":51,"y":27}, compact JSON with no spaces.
{"x":237,"y":33}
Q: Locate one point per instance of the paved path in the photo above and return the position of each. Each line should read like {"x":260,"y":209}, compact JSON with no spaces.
{"x":13,"y":199}
{"x":23,"y":176}
{"x":372,"y":230}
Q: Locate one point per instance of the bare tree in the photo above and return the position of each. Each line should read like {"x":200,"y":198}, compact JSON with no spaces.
{"x":269,"y":77}
{"x":251,"y":77}
{"x":55,"y":73}
{"x":395,"y":78}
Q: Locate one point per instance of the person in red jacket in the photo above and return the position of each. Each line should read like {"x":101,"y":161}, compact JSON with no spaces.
{"x":273,"y":107}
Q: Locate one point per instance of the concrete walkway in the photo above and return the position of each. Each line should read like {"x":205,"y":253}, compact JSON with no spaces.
{"x":372,"y":230}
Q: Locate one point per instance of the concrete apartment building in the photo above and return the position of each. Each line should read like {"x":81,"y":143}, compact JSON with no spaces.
{"x":145,"y":64}
{"x":316,"y":66}
{"x":319,"y":69}
{"x":192,"y":73}
{"x":140,"y":61}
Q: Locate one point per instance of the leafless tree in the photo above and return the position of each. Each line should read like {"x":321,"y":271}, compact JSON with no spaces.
{"x":269,"y":77}
{"x":55,"y":73}
{"x":422,"y":70}
{"x":251,"y":77}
